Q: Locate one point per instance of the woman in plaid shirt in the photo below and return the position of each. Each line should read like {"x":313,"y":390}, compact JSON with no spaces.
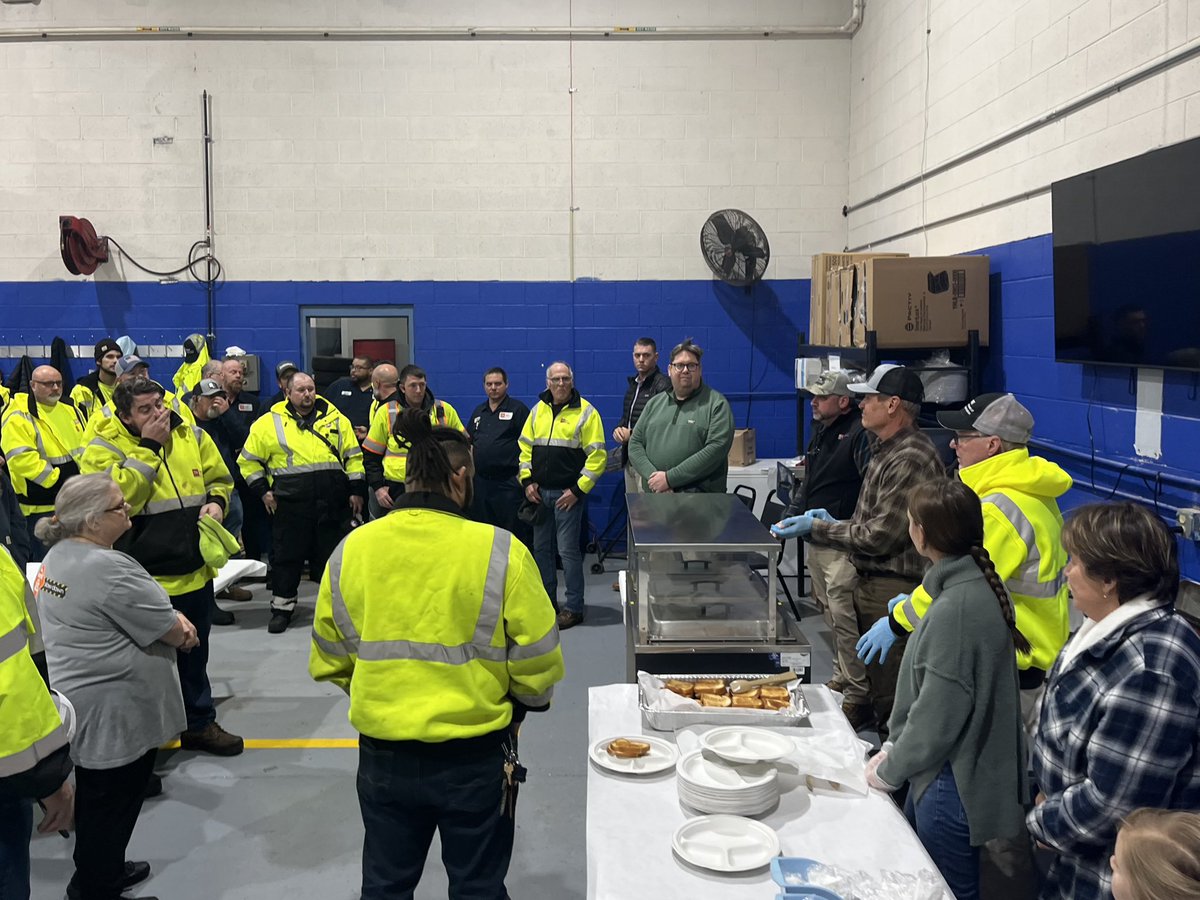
{"x":1120,"y":722}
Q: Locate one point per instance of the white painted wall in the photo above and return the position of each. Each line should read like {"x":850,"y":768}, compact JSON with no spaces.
{"x":424,"y":159}
{"x":993,"y":67}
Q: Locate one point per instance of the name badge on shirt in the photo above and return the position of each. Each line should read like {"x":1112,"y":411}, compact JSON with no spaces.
{"x":504,"y":416}
{"x":245,"y":407}
{"x":346,"y":394}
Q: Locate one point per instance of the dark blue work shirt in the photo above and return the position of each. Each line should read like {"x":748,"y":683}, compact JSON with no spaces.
{"x":495,"y":434}
{"x":353,"y":401}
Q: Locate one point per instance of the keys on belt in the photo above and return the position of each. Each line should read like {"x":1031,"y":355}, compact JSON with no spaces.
{"x":514,"y":777}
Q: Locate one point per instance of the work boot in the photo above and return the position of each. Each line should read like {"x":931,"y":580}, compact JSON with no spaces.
{"x":135,"y":873}
{"x":568,"y":619}
{"x":153,"y":786}
{"x":214,"y":739}
{"x":617,"y":586}
{"x":221,"y":616}
{"x":836,"y":685}
{"x":279,"y":621}
{"x":861,"y":715}
{"x":235,"y":593}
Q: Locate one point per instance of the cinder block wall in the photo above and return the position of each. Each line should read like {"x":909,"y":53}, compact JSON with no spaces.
{"x":992,"y":68}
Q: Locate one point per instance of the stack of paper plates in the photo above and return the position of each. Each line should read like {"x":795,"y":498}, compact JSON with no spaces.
{"x":713,"y":785}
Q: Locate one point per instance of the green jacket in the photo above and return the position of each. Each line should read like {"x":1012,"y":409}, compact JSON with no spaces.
{"x":689,"y":441}
{"x":957,"y":701}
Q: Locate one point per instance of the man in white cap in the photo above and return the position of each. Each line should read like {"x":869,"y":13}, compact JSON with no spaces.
{"x":834,"y":464}
{"x":876,"y":535}
{"x":1022,"y":528}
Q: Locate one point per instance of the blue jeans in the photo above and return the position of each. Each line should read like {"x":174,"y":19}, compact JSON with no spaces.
{"x":407,"y":790}
{"x":234,"y":514}
{"x":16,"y":827}
{"x":941,"y":823}
{"x":559,"y":533}
{"x":197,"y":605}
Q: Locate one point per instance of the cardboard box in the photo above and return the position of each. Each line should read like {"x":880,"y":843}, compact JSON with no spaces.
{"x":742,"y":451}
{"x":823,"y":313}
{"x":919,"y":301}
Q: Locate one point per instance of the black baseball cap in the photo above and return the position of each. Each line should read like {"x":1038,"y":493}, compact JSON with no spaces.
{"x":895,"y":381}
{"x":287,"y":367}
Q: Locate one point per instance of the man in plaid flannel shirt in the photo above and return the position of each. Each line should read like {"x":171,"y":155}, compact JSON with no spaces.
{"x":876,"y":536}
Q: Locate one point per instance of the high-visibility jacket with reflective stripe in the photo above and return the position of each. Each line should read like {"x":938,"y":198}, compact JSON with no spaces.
{"x":279,"y":451}
{"x":165,"y":488}
{"x":106,"y":411}
{"x":381,"y":437}
{"x":88,"y":399}
{"x":1022,"y":532}
{"x":38,"y":442}
{"x":30,"y":727}
{"x":431,"y":650}
{"x":563,"y":451}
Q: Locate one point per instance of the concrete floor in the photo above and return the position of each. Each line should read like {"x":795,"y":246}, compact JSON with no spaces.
{"x":284,"y":823}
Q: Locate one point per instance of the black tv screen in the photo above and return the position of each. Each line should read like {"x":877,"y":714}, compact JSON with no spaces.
{"x":1127,"y":262}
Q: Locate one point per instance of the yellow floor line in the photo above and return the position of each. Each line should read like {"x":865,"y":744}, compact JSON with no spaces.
{"x":289,"y":744}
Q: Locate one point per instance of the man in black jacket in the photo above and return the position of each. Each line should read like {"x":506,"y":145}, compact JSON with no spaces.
{"x":835,"y":460}
{"x":644,"y":383}
{"x":495,"y":428}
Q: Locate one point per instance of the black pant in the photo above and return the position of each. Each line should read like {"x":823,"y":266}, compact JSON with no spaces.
{"x":406,"y":791}
{"x":256,"y":524}
{"x":496,"y":503}
{"x":197,"y":605}
{"x":300,"y":532}
{"x":107,"y":803}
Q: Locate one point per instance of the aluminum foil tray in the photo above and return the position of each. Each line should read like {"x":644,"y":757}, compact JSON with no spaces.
{"x":672,"y":719}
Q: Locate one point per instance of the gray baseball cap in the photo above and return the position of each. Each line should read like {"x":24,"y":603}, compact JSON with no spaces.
{"x":833,"y":383}
{"x":128,"y":363}
{"x":209,"y":387}
{"x":999,"y":415}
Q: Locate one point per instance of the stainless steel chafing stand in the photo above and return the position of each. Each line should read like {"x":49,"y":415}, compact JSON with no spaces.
{"x":692,"y":586}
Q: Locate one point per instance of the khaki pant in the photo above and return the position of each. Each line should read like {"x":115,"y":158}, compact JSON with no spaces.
{"x":834,"y":581}
{"x":633,"y":481}
{"x":870,"y":604}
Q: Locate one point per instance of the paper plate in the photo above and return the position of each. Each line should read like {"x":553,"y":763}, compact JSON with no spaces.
{"x":747,"y":745}
{"x":662,"y":755}
{"x":726,"y":843}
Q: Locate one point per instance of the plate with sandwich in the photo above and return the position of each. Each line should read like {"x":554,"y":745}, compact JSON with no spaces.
{"x":636,"y":754}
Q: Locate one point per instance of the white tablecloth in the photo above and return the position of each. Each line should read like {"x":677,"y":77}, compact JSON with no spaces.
{"x":630,"y":821}
{"x":232,"y":571}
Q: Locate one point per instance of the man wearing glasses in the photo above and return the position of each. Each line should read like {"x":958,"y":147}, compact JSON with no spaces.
{"x":1022,"y":528}
{"x":42,"y":441}
{"x":562,"y":457}
{"x":681,"y":442}
{"x":353,"y":396}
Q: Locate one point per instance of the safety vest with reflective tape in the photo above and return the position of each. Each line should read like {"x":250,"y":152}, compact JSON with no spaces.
{"x":381,"y":438}
{"x":433,"y":649}
{"x":89,"y":398}
{"x":1022,"y":532}
{"x":30,"y":727}
{"x":278,"y":449}
{"x":564,"y":450}
{"x":41,"y":443}
{"x":165,"y":489}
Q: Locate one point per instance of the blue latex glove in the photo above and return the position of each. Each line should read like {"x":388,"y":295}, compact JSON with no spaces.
{"x":878,"y":640}
{"x":822,"y":514}
{"x":796,"y":526}
{"x":899,"y":598}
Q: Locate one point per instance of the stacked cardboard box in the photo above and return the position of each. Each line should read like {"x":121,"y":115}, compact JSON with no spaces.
{"x":931,"y":301}
{"x":823,"y":308}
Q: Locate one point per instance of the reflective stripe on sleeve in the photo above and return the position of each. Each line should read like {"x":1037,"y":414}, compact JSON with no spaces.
{"x":333,"y":648}
{"x":144,"y":469}
{"x":910,"y":612}
{"x":492,"y":607}
{"x":13,"y":643}
{"x":154,"y":507}
{"x":43,"y":477}
{"x":26,"y":759}
{"x":540,"y":647}
{"x":341,"y":615}
{"x":17,"y":451}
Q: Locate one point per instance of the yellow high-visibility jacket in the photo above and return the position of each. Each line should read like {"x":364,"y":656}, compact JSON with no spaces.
{"x":170,"y":401}
{"x":438,"y":648}
{"x":300,"y":464}
{"x":90,"y":394}
{"x":563,"y":451}
{"x":30,"y":727}
{"x":1022,"y":532}
{"x":387,"y":458}
{"x":42,"y":445}
{"x":165,"y":488}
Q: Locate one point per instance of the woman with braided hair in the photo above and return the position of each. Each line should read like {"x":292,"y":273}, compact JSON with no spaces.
{"x":956,"y":732}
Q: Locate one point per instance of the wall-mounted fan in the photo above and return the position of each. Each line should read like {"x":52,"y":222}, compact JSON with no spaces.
{"x":735,"y":247}
{"x":82,"y":249}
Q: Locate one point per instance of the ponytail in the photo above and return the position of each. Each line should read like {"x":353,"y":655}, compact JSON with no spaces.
{"x":434,"y":452}
{"x":984,"y":560}
{"x":49,"y":530}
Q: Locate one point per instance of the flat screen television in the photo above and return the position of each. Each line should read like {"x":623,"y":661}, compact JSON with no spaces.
{"x":1127,"y":262}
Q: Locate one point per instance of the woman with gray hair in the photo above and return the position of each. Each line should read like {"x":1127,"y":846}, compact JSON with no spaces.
{"x":111,"y":635}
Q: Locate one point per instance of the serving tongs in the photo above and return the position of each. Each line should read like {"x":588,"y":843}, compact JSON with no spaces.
{"x":745,"y":685}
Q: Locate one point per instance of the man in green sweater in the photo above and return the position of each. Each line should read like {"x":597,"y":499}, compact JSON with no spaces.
{"x":681,"y":442}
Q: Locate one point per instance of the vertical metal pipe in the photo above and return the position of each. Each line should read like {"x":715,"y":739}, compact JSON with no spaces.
{"x":210,"y":287}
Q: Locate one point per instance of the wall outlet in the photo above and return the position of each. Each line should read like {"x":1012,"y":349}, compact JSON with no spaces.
{"x":1189,"y":521}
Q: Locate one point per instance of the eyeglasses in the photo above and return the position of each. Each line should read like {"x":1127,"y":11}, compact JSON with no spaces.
{"x":123,"y":507}
{"x":963,"y":438}
{"x":47,"y":383}
{"x":685,"y":367}
{"x":562,"y":379}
